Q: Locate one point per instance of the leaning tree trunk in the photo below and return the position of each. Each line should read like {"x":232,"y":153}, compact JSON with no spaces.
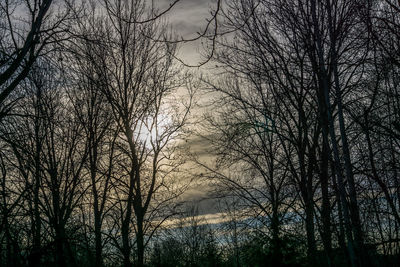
{"x":355,"y":213}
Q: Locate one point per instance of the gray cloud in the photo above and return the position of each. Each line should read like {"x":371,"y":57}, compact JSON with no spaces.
{"x":187,"y":18}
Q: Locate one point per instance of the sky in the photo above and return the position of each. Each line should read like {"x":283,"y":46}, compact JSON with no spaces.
{"x":187,"y":18}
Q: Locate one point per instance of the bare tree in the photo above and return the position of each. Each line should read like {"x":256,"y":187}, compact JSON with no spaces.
{"x":28,"y":30}
{"x":101,"y":133}
{"x":309,"y":56}
{"x":137,"y":76}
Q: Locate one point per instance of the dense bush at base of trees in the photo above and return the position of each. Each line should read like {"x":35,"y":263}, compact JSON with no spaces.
{"x":253,"y":252}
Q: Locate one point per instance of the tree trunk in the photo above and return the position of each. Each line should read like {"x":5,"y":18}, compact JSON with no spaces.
{"x":59,"y":240}
{"x":311,"y":246}
{"x":34,"y":259}
{"x":355,"y":213}
{"x":98,"y":245}
{"x":276,"y":247}
{"x":140,"y":239}
{"x":326,"y":207}
{"x":97,"y":215}
{"x":324,"y":100}
{"x":126,"y":250}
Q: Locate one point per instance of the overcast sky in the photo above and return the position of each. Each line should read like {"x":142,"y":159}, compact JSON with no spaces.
{"x":187,"y":18}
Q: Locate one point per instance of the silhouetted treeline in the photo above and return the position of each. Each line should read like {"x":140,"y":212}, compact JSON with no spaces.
{"x":307,"y":133}
{"x":303,"y":135}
